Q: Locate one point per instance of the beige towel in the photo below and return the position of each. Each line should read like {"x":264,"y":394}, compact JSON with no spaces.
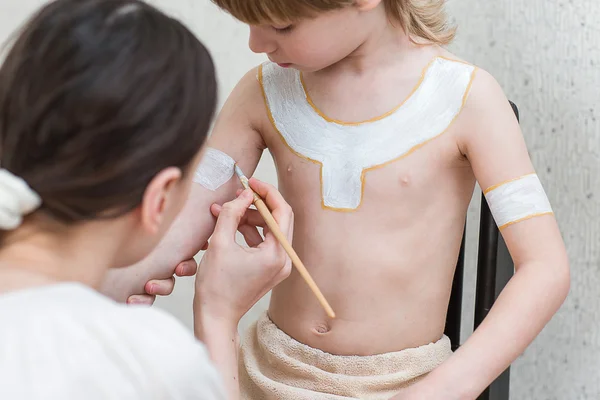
{"x":274,"y":366}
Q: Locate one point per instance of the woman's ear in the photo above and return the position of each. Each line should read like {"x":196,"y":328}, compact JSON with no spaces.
{"x":366,"y":5}
{"x":159,"y":198}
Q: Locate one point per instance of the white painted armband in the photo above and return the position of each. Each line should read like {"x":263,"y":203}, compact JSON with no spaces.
{"x":516,"y":200}
{"x":215,"y":169}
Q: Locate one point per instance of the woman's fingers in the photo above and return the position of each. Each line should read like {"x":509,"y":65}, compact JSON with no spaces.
{"x":247,"y":226}
{"x":280,"y":209}
{"x":251,"y":217}
{"x":251,"y":235}
{"x":229,"y":218}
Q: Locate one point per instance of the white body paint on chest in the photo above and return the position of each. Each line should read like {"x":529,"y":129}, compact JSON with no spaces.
{"x":347,"y":151}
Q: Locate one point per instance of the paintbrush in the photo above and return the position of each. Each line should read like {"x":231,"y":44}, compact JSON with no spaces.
{"x":276,"y":231}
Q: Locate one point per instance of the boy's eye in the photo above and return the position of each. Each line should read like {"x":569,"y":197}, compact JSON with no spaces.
{"x":284,"y":29}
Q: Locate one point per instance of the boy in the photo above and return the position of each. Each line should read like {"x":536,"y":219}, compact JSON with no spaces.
{"x":380,"y":193}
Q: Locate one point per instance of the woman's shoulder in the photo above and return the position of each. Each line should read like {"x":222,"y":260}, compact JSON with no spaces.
{"x":83,"y":341}
{"x":68,"y":305}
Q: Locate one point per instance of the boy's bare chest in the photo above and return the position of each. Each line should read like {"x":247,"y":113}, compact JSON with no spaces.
{"x":347,"y":167}
{"x":343,"y":154}
{"x":338,"y":183}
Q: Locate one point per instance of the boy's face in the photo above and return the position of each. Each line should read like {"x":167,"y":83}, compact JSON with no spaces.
{"x":312,"y":44}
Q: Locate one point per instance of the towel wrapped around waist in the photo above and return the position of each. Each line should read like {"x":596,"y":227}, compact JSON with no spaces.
{"x":274,"y":366}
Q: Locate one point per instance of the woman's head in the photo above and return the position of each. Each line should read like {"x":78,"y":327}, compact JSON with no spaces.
{"x":313,"y":34}
{"x":104,"y":107}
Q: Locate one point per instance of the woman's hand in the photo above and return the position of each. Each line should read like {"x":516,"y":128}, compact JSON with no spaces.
{"x":232,"y":278}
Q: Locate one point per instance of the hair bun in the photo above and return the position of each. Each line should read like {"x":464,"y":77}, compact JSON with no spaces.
{"x":17,"y":199}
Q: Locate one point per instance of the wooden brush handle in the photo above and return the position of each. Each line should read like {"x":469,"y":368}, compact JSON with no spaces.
{"x":272,"y":224}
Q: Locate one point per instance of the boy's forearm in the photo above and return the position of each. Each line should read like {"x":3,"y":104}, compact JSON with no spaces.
{"x":524,"y":307}
{"x":189,"y":232}
{"x":185,"y":238}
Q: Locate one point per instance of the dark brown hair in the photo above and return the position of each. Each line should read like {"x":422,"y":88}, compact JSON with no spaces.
{"x":97,"y":97}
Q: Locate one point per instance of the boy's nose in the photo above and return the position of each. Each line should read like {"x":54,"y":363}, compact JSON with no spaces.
{"x":259,"y":41}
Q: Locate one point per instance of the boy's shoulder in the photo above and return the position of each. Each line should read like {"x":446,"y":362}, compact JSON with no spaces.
{"x":245,"y":104}
{"x":484,"y":99}
{"x":484,"y":91}
{"x":485,"y":103}
{"x":482,"y":78}
{"x":248,"y":86}
{"x":485,"y":94}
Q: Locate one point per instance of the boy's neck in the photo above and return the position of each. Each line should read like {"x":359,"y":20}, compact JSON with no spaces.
{"x":384,"y":45}
{"x":30,"y":258}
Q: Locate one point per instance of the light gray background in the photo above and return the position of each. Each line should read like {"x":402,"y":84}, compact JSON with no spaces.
{"x":546,"y":55}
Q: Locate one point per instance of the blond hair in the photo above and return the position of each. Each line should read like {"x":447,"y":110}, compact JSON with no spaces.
{"x":421,"y":19}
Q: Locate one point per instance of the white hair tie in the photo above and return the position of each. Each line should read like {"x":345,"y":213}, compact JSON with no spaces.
{"x":17,"y":199}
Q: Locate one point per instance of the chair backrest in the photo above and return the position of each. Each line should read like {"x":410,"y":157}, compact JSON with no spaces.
{"x":494,"y":269}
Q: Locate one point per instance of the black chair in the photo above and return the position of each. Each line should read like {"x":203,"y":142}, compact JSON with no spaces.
{"x":494,"y":268}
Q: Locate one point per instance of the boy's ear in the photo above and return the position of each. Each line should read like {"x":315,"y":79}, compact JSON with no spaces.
{"x":366,"y":5}
{"x":157,"y":198}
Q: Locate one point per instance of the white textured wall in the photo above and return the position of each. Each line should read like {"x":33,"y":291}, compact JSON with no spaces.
{"x":546,"y":55}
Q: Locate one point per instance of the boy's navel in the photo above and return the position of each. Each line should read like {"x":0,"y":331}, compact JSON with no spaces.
{"x":321,"y":328}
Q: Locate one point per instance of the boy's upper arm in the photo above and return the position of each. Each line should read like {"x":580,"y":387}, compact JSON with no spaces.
{"x":235,"y":133}
{"x":493,"y":143}
{"x":237,"y":128}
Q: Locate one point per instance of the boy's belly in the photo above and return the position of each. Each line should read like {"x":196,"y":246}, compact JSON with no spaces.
{"x":362,"y":331}
{"x":390,"y":290}
{"x":386,"y":268}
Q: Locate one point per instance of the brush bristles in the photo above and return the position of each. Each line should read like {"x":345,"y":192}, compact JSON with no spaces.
{"x":238,"y":171}
{"x":241,"y":176}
